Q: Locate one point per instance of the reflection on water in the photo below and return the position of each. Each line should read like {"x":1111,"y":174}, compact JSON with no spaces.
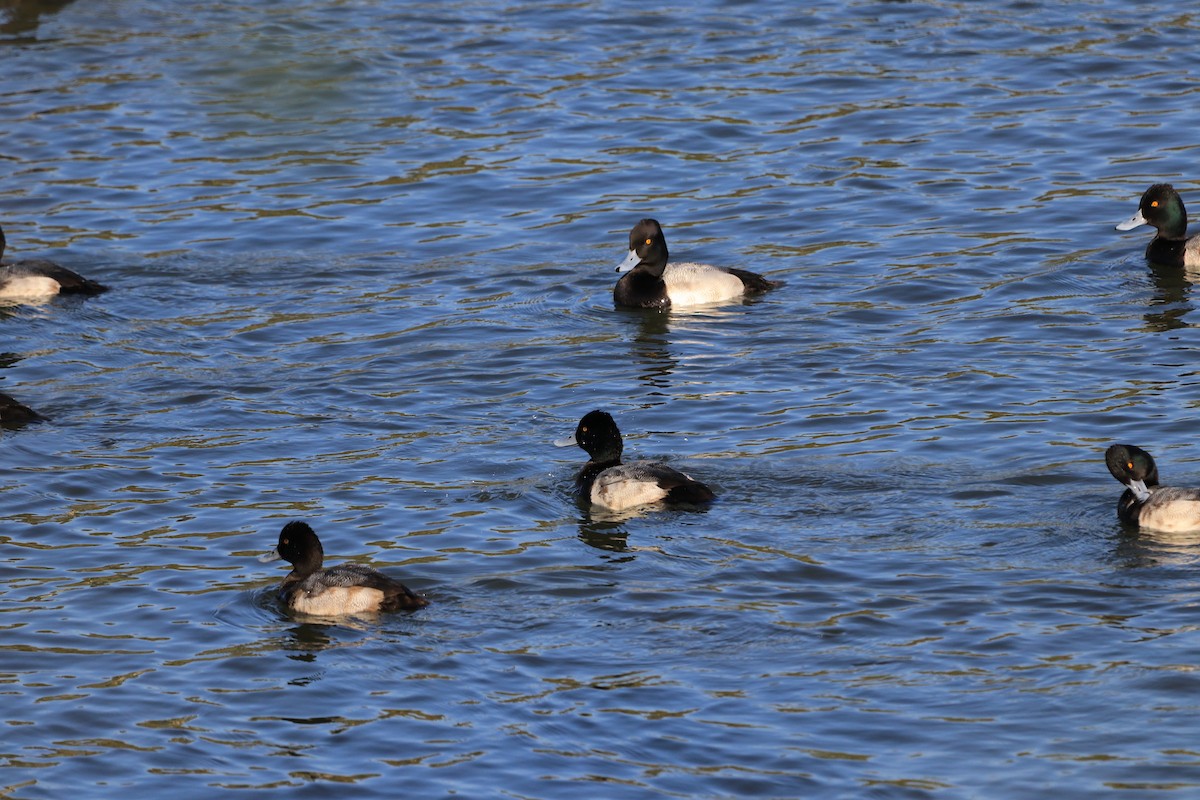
{"x":1172,"y":298}
{"x":604,"y":534}
{"x":1143,"y":548}
{"x":22,"y":16}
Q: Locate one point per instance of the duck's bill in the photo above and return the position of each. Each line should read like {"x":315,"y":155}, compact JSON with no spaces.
{"x":1131,"y":223}
{"x":271,"y":556}
{"x":566,"y":441}
{"x":1139,"y":490}
{"x":631,"y":261}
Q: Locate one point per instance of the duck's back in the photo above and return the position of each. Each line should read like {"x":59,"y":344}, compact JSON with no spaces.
{"x":1191,"y":252}
{"x":37,"y":277}
{"x":20,"y":283}
{"x":644,"y":482}
{"x":349,"y":589}
{"x":1171,"y":510}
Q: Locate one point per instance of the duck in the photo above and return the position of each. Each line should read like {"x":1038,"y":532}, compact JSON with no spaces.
{"x":1144,"y":502}
{"x":37,"y":279}
{"x":1162,"y":208}
{"x":339,"y":591}
{"x":608,"y":484}
{"x":14,"y":414}
{"x":651,"y":282}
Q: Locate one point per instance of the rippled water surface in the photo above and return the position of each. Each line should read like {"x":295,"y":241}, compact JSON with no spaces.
{"x":361,"y":258}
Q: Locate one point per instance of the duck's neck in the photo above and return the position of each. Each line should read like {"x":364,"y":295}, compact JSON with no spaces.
{"x":1168,"y":252}
{"x":593,"y":468}
{"x":303,"y":569}
{"x":641,"y":288}
{"x":1128,"y":507}
{"x":1174,"y":223}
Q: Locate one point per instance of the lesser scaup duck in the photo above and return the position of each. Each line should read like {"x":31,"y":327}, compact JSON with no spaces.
{"x":37,"y":278}
{"x":651,"y":282}
{"x":1162,"y":208}
{"x":608,"y":483}
{"x":336,"y":591}
{"x":14,"y":414}
{"x":1146,"y":504}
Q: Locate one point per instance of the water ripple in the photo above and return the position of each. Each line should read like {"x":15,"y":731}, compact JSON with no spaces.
{"x":362,"y":269}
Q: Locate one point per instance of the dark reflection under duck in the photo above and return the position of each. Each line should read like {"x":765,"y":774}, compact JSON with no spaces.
{"x":25,"y":15}
{"x":1172,"y":303}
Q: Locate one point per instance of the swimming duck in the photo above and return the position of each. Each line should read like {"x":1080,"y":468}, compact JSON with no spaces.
{"x":651,"y":282}
{"x":37,"y":278}
{"x":1144,"y":503}
{"x":608,"y":483}
{"x":1162,"y":208}
{"x":14,"y":414}
{"x":336,"y":591}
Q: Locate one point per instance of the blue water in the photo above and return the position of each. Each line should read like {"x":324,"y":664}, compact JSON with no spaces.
{"x":361,"y":258}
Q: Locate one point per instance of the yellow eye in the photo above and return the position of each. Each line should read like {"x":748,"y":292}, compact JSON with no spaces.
{"x":1154,"y":204}
{"x":584,"y":430}
{"x":1129,"y":465}
{"x":648,"y":241}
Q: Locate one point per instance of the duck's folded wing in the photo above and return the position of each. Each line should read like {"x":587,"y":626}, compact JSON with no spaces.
{"x":351,"y":575}
{"x":357,"y":578}
{"x":652,"y":481}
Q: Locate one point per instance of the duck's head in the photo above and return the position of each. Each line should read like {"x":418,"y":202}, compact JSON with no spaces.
{"x":647,"y":249}
{"x":598,"y":435}
{"x":1162,"y":208}
{"x":1133,"y":467}
{"x":299,"y":546}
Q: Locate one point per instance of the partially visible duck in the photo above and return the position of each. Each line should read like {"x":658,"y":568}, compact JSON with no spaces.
{"x":337,"y":591}
{"x":39,"y":279}
{"x":14,"y":414}
{"x":606,"y":482}
{"x":1144,"y":503}
{"x":1162,"y":208}
{"x":652,"y":282}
